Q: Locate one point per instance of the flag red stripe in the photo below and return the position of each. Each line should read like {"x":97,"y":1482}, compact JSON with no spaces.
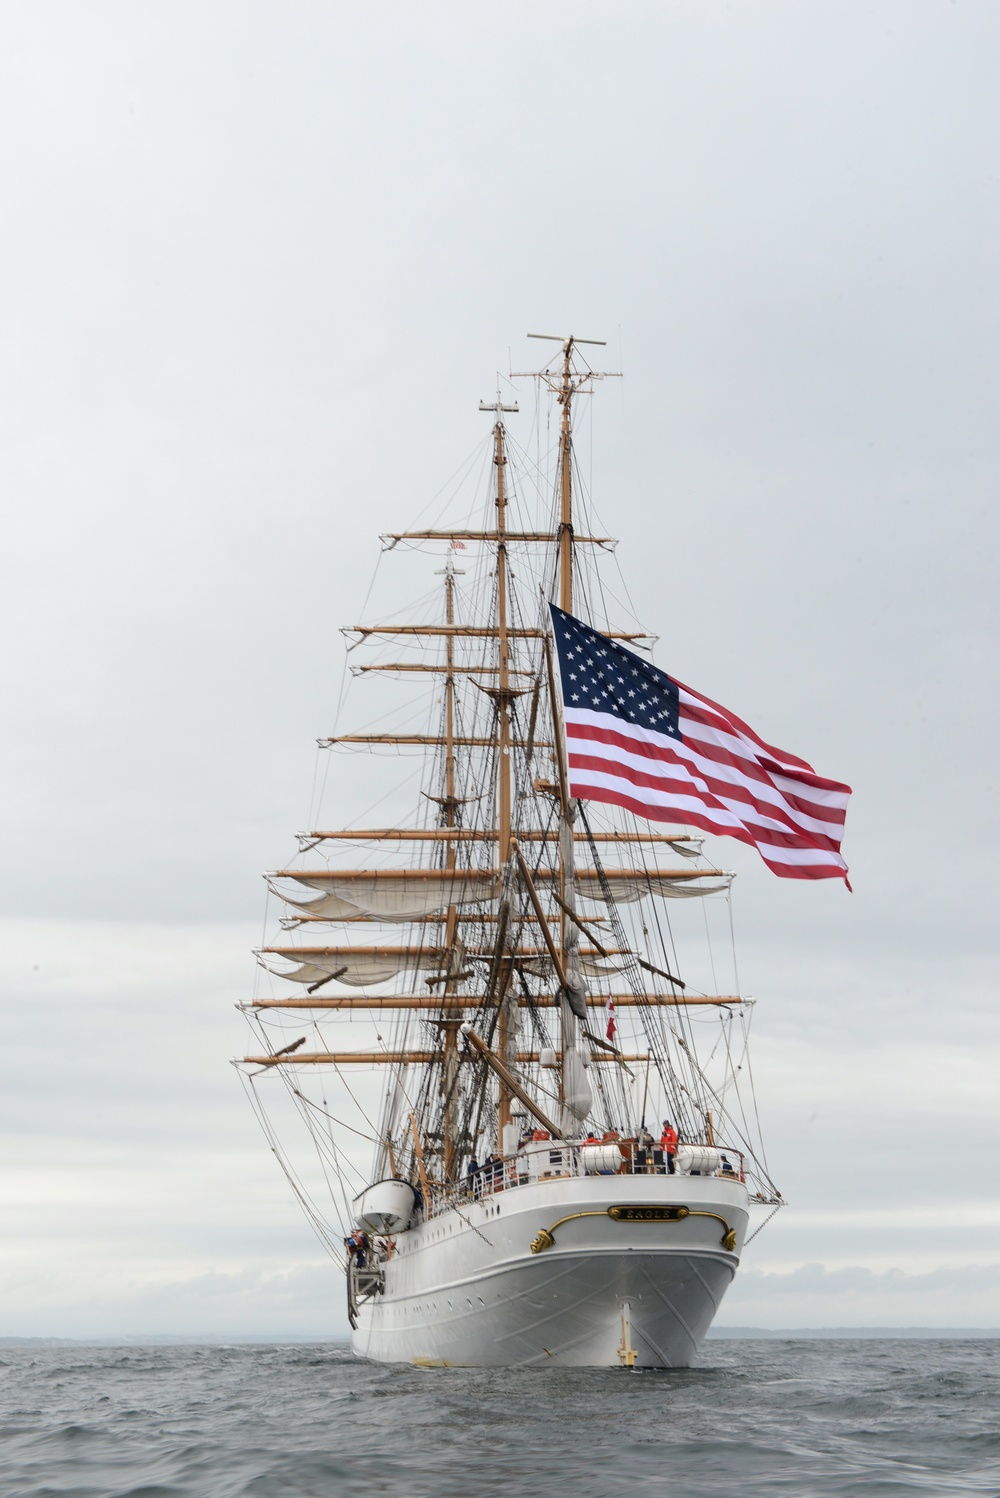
{"x":763,"y":796}
{"x":764,"y":817}
{"x":751,"y":812}
{"x":723,"y":746}
{"x":779,"y":755}
{"x":691,"y":818}
{"x":684,"y":799}
{"x":814,"y":816}
{"x":590,"y":724}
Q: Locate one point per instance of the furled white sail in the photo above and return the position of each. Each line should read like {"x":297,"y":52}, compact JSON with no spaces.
{"x":391,"y":895}
{"x":358,"y":969}
{"x":626,"y":890}
{"x":361,"y":967}
{"x":578,"y":1097}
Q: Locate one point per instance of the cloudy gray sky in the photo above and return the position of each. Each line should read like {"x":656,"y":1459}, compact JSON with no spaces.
{"x":260,"y":262}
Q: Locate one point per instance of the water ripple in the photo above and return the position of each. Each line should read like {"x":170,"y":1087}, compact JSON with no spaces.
{"x":791,"y":1419}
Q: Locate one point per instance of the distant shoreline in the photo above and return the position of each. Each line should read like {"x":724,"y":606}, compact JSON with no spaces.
{"x":852,"y":1333}
{"x":715,"y":1334}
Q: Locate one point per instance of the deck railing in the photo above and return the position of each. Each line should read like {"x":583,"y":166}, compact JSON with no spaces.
{"x":553,"y":1159}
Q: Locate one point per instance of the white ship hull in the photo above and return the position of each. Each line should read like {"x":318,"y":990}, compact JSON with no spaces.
{"x":465,"y":1289}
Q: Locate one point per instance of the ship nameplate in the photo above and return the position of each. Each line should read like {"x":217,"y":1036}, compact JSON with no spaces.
{"x":649,"y":1214}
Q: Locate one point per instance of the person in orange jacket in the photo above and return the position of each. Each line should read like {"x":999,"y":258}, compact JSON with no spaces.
{"x":668,"y":1144}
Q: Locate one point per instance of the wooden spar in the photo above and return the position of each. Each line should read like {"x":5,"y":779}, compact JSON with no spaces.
{"x":469,"y":876}
{"x":584,"y":926}
{"x":491,"y":536}
{"x":449,"y":1078}
{"x":645,"y":1095}
{"x":553,"y":950}
{"x":416,"y":1058}
{"x":427,"y":955}
{"x":580,"y":924}
{"x":465,"y":670}
{"x":497,"y":1066}
{"x":422,"y":739}
{"x":436,"y":918}
{"x":418,"y":1150}
{"x":459,"y":1003}
{"x":467,"y":631}
{"x":536,"y":692}
{"x":560,"y":741}
{"x":486,"y":834}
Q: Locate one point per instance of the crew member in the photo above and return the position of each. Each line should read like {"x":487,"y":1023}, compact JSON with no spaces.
{"x":668,"y":1144}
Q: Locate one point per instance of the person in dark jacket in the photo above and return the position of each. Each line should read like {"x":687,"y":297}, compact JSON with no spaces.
{"x":357,"y":1247}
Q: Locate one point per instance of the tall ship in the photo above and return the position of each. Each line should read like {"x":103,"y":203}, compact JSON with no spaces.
{"x":497,"y":1024}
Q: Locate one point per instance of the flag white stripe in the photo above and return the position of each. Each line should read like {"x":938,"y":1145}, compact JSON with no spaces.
{"x":725,"y":818}
{"x":746,"y":812}
{"x":762,"y":790}
{"x":724,"y":821}
{"x":832,"y":795}
{"x":612,"y":755}
{"x":756,"y":750}
{"x":737,"y":746}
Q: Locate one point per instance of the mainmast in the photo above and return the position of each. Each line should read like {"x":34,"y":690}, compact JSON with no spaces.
{"x":507,"y":1017}
{"x":574,"y":1089}
{"x":504,"y":694}
{"x":565,"y":398}
{"x":564,"y":384}
{"x":449,"y":1026}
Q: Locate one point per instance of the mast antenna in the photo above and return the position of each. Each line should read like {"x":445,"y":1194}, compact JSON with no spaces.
{"x":566,"y":378}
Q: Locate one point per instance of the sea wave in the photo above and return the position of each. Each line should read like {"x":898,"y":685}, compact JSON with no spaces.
{"x":802,"y":1419}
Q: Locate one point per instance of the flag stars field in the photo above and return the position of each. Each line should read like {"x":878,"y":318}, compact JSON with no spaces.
{"x":670,"y":755}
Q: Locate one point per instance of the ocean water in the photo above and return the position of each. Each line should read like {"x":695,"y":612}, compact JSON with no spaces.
{"x":796,"y":1418}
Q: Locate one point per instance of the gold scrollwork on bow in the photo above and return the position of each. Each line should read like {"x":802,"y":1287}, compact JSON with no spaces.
{"x":657,"y":1213}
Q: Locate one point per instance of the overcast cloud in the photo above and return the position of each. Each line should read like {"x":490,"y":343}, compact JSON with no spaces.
{"x":260,"y":263}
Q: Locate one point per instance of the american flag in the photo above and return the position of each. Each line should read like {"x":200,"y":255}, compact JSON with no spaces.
{"x":638,"y":739}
